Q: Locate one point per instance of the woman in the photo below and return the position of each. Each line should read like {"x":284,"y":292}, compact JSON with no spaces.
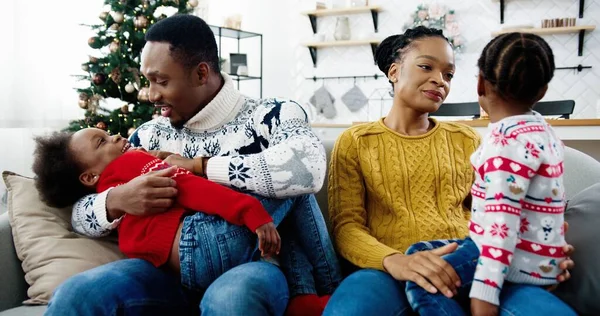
{"x":405,"y":179}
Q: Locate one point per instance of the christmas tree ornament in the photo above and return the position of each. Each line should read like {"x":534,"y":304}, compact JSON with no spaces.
{"x":103,"y":16}
{"x":129,"y":88}
{"x":101,"y":125}
{"x":117,"y":16}
{"x":93,"y":59}
{"x":85,"y":67}
{"x":143,"y":94}
{"x":193,"y":3}
{"x":140,"y":22}
{"x":114,"y":27}
{"x":130,"y":131}
{"x":83,"y":104}
{"x":125,"y":109}
{"x":84,"y":96}
{"x":114,"y":46}
{"x":94,"y":42}
{"x":99,"y":79}
{"x":115,"y":75}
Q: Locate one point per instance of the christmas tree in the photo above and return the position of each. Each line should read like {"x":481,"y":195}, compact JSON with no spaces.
{"x":114,"y":72}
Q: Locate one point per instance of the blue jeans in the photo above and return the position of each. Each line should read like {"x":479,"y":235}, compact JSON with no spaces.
{"x":464,"y":262}
{"x":135,"y":287}
{"x":373,"y":292}
{"x":210,"y":246}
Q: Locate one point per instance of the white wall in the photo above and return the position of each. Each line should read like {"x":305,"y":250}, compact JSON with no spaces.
{"x":45,"y":46}
{"x":477,"y":18}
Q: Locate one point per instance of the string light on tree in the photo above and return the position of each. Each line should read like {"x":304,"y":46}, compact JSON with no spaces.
{"x":113,"y":71}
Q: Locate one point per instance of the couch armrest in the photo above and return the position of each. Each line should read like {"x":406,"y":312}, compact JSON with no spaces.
{"x":13,"y":288}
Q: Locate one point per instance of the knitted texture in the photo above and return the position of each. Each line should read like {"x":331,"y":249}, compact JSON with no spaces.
{"x":518,"y":206}
{"x":388,"y":191}
{"x":265,"y":147}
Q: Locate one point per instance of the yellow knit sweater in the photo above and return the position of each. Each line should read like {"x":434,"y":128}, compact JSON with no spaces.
{"x":388,"y":191}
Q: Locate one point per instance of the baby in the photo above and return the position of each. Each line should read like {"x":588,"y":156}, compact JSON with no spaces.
{"x":71,"y":165}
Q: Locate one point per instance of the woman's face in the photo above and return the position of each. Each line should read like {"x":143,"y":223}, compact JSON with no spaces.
{"x":422,"y":77}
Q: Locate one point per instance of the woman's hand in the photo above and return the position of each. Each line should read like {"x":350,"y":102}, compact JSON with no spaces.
{"x":566,"y":264}
{"x":483,"y":308}
{"x":425,"y":268}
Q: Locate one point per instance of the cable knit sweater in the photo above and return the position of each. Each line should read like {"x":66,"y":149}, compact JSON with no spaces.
{"x":518,"y":205}
{"x":388,"y":191}
{"x":261,"y":146}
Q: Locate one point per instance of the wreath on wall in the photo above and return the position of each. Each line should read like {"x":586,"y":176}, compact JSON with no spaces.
{"x":439,"y":17}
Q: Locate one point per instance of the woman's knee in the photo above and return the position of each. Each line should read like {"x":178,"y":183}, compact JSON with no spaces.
{"x":368,"y":292}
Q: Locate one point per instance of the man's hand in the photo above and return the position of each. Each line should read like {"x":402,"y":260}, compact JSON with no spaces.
{"x":269,"y":242}
{"x":181,"y":162}
{"x":150,"y":193}
{"x":160,"y":154}
{"x":425,"y":268}
{"x":483,"y":308}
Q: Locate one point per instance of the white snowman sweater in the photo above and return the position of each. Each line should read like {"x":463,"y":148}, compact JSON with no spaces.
{"x":518,"y":204}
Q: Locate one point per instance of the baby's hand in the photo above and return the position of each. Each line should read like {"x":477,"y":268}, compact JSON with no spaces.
{"x":269,"y":242}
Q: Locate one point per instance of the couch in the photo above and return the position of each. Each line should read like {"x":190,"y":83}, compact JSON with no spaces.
{"x":581,"y":172}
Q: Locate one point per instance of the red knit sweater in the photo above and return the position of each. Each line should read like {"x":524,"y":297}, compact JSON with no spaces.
{"x":151,"y":237}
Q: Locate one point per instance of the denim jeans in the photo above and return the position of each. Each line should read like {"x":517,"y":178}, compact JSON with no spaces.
{"x":135,"y":287}
{"x":373,"y":292}
{"x":210,"y":247}
{"x":464,"y":262}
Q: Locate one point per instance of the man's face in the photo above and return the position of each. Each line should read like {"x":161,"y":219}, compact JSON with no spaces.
{"x":172,"y":87}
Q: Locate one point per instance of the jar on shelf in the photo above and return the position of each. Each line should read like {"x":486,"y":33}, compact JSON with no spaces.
{"x":342,"y":29}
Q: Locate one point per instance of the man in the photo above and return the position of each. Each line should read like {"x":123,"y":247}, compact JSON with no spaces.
{"x":264,"y":147}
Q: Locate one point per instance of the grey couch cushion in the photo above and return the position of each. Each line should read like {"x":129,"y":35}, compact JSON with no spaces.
{"x":13,"y":289}
{"x":25,"y":311}
{"x":581,"y":171}
{"x":583,"y":216}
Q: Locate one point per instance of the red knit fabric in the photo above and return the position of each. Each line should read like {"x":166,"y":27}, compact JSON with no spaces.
{"x":151,"y":237}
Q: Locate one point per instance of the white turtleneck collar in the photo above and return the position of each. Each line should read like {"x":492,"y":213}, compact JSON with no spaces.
{"x":222,"y":109}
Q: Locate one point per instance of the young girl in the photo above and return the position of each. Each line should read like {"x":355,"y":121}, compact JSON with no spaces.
{"x":404,"y":179}
{"x":518,"y":196}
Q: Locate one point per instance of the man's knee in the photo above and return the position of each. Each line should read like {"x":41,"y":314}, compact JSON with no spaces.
{"x":256,"y":286}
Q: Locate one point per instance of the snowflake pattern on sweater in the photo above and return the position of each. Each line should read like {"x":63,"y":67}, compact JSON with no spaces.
{"x":518,"y":206}
{"x":265,"y":147}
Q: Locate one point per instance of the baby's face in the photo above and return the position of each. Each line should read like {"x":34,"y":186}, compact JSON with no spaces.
{"x":94,"y":149}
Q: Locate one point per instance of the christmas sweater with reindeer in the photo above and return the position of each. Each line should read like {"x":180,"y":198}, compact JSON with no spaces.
{"x":518,"y":205}
{"x":261,"y":146}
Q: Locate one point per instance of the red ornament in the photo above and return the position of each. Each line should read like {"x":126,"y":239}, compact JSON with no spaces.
{"x":101,"y":125}
{"x":99,"y":79}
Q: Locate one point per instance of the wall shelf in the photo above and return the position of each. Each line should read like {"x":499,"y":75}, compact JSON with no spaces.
{"x":502,"y":6}
{"x":314,"y":46}
{"x":554,"y":30}
{"x":312,"y":15}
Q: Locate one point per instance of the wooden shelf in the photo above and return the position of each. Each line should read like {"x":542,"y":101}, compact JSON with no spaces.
{"x":312,"y":15}
{"x":549,"y":30}
{"x":313,"y":46}
{"x":581,"y":29}
{"x":343,"y":11}
{"x":503,"y":5}
{"x":342,"y":43}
